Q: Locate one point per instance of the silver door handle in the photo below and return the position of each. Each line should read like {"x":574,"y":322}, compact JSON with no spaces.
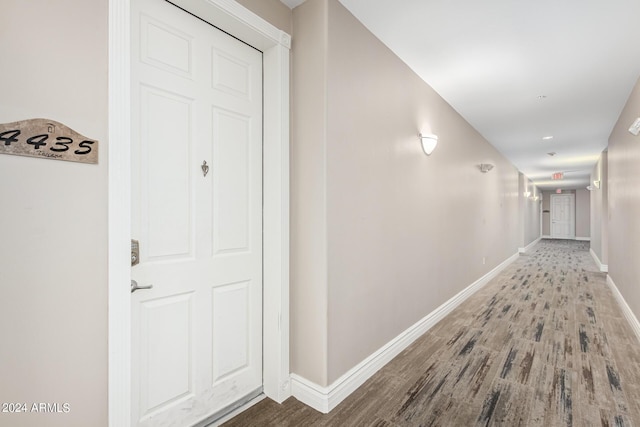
{"x":135,"y":287}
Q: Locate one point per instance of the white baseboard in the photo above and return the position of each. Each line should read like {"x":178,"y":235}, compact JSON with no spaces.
{"x":626,"y":310}
{"x":603,"y":267}
{"x":311,"y":394}
{"x":584,"y":239}
{"x":529,"y":246}
{"x":324,"y":399}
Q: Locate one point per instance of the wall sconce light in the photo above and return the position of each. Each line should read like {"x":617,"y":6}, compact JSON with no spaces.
{"x":590,"y":187}
{"x":485,"y":167}
{"x":597,"y":183}
{"x":635,"y":127}
{"x":429,"y":143}
{"x":527,"y":193}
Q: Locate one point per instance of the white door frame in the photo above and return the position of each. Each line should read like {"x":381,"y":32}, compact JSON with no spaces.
{"x":275,"y":44}
{"x":572,"y":213}
{"x":540,"y":214}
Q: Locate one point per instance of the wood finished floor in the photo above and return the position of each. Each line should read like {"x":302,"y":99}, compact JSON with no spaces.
{"x":543,"y":344}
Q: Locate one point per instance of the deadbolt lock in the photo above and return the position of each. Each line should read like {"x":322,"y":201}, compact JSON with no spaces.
{"x":135,"y":252}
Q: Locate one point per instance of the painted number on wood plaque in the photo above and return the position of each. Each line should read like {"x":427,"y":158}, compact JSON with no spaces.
{"x":48,"y":139}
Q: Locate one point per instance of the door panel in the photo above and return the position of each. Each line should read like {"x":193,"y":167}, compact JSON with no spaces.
{"x":231,"y":75}
{"x":197,"y":335}
{"x":166,"y":197}
{"x":230,"y":329}
{"x":166,"y":351}
{"x":233,"y":204}
{"x":165,"y":47}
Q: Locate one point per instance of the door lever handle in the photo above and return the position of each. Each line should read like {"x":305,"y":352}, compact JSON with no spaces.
{"x":135,"y":287}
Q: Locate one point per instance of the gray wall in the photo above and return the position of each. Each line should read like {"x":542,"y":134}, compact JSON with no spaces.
{"x":273,"y":11}
{"x":624,"y":204}
{"x":308,"y":292}
{"x":389,"y":224}
{"x":583,"y":213}
{"x":53,"y":222}
{"x":529,"y":224}
{"x":600,"y":210}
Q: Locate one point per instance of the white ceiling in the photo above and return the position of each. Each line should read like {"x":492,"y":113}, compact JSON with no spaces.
{"x":521,"y":70}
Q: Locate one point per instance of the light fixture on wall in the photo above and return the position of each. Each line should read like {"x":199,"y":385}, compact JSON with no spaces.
{"x":429,"y":143}
{"x":485,"y":167}
{"x":527,"y":193}
{"x":590,"y":187}
{"x":596,"y":183}
{"x":635,"y":127}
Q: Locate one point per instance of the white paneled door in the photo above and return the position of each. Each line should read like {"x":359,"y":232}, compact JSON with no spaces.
{"x":197,"y":214}
{"x":563,"y":216}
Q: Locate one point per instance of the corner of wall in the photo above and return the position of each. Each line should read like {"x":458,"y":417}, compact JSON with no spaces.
{"x":308,"y":195}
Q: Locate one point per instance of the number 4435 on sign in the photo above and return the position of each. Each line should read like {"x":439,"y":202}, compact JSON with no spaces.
{"x":47,"y":139}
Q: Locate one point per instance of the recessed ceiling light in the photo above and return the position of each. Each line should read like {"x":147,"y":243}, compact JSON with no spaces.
{"x":542,"y":96}
{"x":553,"y":153}
{"x":546,"y":138}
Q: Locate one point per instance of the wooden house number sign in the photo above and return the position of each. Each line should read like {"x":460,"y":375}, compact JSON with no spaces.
{"x":48,"y":139}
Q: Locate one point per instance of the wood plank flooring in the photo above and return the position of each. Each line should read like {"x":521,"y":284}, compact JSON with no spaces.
{"x":543,"y":344}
